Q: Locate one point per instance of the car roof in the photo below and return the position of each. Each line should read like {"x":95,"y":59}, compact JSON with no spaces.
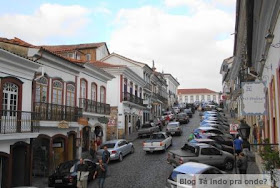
{"x":204,"y":140}
{"x":206,"y":128}
{"x":173,"y":122}
{"x":113,"y":141}
{"x":191,"y":168}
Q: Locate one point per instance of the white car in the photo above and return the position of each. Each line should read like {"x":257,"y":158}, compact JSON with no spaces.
{"x":158,"y":141}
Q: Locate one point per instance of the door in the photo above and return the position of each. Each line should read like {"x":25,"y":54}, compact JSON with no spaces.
{"x":71,"y":147}
{"x":20,"y":172}
{"x":205,"y":156}
{"x":3,"y":171}
{"x":126,"y":125}
{"x":9,"y":107}
{"x":122,"y":148}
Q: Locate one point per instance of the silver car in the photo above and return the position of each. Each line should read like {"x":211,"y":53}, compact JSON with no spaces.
{"x":190,"y":169}
{"x":117,"y":148}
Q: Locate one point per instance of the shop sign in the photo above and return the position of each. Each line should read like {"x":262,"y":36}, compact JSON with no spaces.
{"x":63,"y":125}
{"x":253,"y":98}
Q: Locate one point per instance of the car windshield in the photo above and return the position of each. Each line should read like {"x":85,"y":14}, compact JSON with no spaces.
{"x":109,"y":145}
{"x":181,"y":115}
{"x":173,"y":175}
{"x":157,"y":136}
{"x":65,"y":168}
{"x":172,"y":125}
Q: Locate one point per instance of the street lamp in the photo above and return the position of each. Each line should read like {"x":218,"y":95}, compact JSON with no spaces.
{"x":244,"y":132}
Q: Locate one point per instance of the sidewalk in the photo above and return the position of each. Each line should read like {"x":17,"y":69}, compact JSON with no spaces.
{"x":252,"y":165}
{"x":132,"y":137}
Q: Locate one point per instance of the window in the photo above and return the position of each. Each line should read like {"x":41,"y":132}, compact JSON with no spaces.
{"x":78,"y":56}
{"x":191,"y":99}
{"x":83,"y":89}
{"x":208,"y":98}
{"x":140,"y":93}
{"x":205,"y":151}
{"x":131,"y":88}
{"x":102,"y":94}
{"x":214,"y":97}
{"x":57,"y":92}
{"x":10,"y":96}
{"x":88,"y":57}
{"x":214,"y":151}
{"x":125,"y":85}
{"x":197,"y":97}
{"x":202,"y":98}
{"x":41,"y":90}
{"x":94,"y":92}
{"x":136,"y":90}
{"x":186,"y":99}
{"x":70,"y":55}
{"x":70,"y":96}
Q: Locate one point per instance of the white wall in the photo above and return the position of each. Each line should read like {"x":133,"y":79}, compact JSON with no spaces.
{"x":113,"y":91}
{"x":101,"y":52}
{"x":5,"y":144}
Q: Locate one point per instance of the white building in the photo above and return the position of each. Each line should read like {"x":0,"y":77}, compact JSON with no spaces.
{"x":197,"y":95}
{"x":172,"y":87}
{"x":125,"y":93}
{"x":18,"y":125}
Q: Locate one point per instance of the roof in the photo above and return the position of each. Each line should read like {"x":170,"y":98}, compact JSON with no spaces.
{"x":195,"y":91}
{"x":16,"y":41}
{"x":101,"y":64}
{"x":191,"y":168}
{"x":122,"y":57}
{"x":72,"y":47}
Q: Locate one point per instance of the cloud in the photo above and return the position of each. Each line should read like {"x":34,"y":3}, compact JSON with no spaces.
{"x":50,"y":20}
{"x":184,"y":45}
{"x":102,"y":10}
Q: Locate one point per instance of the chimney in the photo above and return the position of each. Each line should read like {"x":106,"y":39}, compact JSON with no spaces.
{"x":154,"y":68}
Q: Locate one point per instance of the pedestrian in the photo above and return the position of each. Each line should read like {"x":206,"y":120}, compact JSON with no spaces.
{"x":105,"y":155}
{"x":138,"y":124}
{"x":237,"y":145}
{"x":242,"y":163}
{"x":100,"y":173}
{"x":82,"y":174}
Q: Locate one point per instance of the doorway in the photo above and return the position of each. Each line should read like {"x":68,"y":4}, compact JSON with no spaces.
{"x":126,"y":125}
{"x":71,"y":146}
{"x":20,"y":167}
{"x":41,"y":153}
{"x":59,"y":151}
{"x":86,"y":136}
{"x":4,"y":165}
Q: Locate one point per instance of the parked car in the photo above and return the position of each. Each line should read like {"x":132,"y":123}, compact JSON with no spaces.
{"x":203,"y":130}
{"x":65,"y":173}
{"x":147,"y":129}
{"x":182,"y":118}
{"x":158,"y":141}
{"x":220,"y":139}
{"x":190,"y":169}
{"x":168,"y":115}
{"x":213,"y":143}
{"x":117,"y":148}
{"x":217,"y":126}
{"x":188,"y":112}
{"x":173,"y":128}
{"x":202,"y":153}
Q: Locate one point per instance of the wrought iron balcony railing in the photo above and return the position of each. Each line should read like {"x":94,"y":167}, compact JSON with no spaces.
{"x":132,"y":98}
{"x":148,"y":86}
{"x":94,"y":107}
{"x":18,"y":122}
{"x":55,"y":112}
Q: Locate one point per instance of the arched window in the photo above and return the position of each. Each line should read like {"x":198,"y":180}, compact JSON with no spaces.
{"x":94,"y":91}
{"x":83,"y":89}
{"x":10,"y":96}
{"x":70,"y":96}
{"x":41,"y":90}
{"x":102,"y":94}
{"x":57,"y":90}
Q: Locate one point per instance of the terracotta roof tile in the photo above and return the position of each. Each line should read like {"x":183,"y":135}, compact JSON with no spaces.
{"x":195,"y":91}
{"x":73,"y":47}
{"x":16,"y":41}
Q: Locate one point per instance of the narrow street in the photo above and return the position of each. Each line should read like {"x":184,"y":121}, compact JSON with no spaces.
{"x":145,"y":170}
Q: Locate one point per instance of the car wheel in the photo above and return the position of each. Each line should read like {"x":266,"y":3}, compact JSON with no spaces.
{"x":120,"y":157}
{"x":229,"y":164}
{"x":132,"y":150}
{"x":147,"y":152}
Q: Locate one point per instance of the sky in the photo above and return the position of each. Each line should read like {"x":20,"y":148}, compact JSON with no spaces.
{"x":186,"y":38}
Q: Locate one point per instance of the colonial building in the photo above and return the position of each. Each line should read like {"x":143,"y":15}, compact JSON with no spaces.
{"x":172,"y":87}
{"x":256,"y":60}
{"x":18,"y":124}
{"x":68,"y":97}
{"x":197,"y":95}
{"x":125,"y":92}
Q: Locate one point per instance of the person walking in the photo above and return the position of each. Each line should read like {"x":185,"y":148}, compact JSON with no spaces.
{"x":100,"y":173}
{"x":237,"y":145}
{"x":138,"y":124}
{"x":242,"y":163}
{"x":82,"y":174}
{"x":105,"y":155}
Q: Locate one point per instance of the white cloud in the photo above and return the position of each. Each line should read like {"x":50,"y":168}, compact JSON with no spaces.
{"x":183,"y":45}
{"x":102,"y":10}
{"x":50,"y":20}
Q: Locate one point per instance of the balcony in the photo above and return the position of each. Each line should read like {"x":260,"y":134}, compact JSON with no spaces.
{"x":55,"y":112}
{"x":94,"y":107}
{"x":18,"y":122}
{"x":132,"y":98}
{"x":148,"y":86}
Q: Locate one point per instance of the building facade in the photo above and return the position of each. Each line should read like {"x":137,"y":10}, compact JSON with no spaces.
{"x":172,"y":87}
{"x":197,"y":95}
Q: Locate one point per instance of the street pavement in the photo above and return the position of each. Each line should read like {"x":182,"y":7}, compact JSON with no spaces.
{"x":141,"y":170}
